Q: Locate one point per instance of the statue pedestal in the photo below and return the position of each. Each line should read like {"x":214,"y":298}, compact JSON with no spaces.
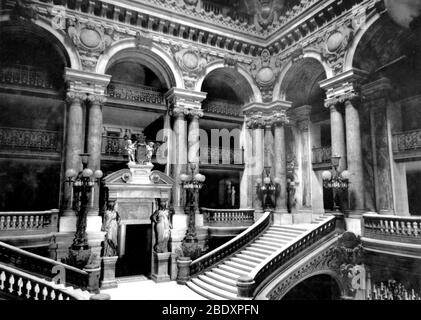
{"x":140,"y":173}
{"x":108,"y":267}
{"x":161,"y":264}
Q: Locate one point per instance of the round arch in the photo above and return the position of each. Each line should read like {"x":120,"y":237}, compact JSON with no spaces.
{"x":66,"y":43}
{"x":328,"y":273}
{"x":154,"y":58}
{"x":308,"y":54}
{"x":239,"y":74}
{"x":349,"y":57}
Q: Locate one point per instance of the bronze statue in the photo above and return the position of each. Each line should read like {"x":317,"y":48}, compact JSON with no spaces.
{"x":162,"y":226}
{"x":110,"y":226}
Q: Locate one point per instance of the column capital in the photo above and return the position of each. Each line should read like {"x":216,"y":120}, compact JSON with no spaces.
{"x":86,"y":82}
{"x":97,"y":98}
{"x":187,"y":100}
{"x":267,"y":114}
{"x":74,"y":96}
{"x":343,"y":87}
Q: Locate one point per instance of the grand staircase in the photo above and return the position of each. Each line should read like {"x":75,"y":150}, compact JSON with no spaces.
{"x":220,"y":281}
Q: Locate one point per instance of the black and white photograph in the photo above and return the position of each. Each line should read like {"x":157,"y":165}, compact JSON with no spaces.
{"x":213,"y":155}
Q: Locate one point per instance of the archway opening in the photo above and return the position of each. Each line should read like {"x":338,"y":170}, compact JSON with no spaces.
{"x":390,"y":55}
{"x":301,"y":86}
{"x":320,"y":287}
{"x":31,"y":117}
{"x":221,"y":155}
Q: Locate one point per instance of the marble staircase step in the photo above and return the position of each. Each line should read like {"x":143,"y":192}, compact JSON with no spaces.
{"x":203,"y":292}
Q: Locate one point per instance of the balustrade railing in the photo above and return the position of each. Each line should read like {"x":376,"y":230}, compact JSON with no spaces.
{"x":24,"y":286}
{"x":322,"y":155}
{"x":23,"y":75}
{"x":32,"y":222}
{"x":42,"y":267}
{"x":115,"y":146}
{"x":407,"y":141}
{"x":283,"y":256}
{"x":29,"y":139}
{"x":135,"y":93}
{"x":222,"y":107}
{"x":218,"y":155}
{"x":392,"y":228}
{"x":227,"y":217}
{"x":232,"y":246}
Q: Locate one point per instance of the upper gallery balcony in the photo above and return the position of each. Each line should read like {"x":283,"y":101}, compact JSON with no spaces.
{"x":321,"y":158}
{"x":407,"y":145}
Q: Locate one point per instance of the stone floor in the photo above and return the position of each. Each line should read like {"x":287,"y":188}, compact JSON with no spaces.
{"x":145,"y":289}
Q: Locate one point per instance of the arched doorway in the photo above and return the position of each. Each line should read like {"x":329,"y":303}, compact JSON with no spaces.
{"x":221,"y":153}
{"x":32,"y":117}
{"x":321,"y":287}
{"x":309,"y":140}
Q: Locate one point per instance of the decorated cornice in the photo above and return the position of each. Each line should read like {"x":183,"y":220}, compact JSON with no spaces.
{"x":260,"y":115}
{"x":343,"y":87}
{"x":185,"y":102}
{"x":83,"y":82}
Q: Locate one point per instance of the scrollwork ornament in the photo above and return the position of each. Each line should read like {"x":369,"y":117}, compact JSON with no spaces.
{"x":75,"y":97}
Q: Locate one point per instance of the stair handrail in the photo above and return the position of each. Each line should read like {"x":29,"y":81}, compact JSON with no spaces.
{"x":12,"y":285}
{"x":247,"y":285}
{"x":218,"y":254}
{"x":42,"y":266}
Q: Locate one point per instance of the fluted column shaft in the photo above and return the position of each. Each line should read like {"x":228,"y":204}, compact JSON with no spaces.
{"x":280,"y":168}
{"x":338,"y":136}
{"x":74,"y":144}
{"x":94,"y":146}
{"x":354,"y":157}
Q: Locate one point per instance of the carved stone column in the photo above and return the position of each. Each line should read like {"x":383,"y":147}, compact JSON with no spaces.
{"x":246,"y":186}
{"x":280,"y":166}
{"x":94,"y":141}
{"x":258,"y":155}
{"x":74,"y":144}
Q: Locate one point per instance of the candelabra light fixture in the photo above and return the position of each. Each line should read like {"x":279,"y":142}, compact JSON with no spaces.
{"x":267,"y":188}
{"x":82,"y":185}
{"x":192,"y":183}
{"x":337,"y":181}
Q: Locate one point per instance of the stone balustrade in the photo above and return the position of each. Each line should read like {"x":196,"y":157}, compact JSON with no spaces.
{"x":219,"y":155}
{"x":135,"y":93}
{"x":24,"y":75}
{"x":392,"y":228}
{"x":17,"y":284}
{"x":29,"y":139}
{"x":240,"y":241}
{"x":248,"y":285}
{"x":227,"y":217}
{"x":222,"y":107}
{"x":20,"y":223}
{"x":407,"y":141}
{"x":322,"y":155}
{"x":46,"y":268}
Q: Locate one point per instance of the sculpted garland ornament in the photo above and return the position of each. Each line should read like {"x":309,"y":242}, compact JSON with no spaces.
{"x":192,"y":63}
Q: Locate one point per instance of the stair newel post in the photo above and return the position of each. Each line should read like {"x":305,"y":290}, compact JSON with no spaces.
{"x":339,"y":222}
{"x":94,"y":273}
{"x":183,"y":265}
{"x":245,"y":287}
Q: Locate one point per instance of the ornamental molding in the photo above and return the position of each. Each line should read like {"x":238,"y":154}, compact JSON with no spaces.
{"x":185,"y":102}
{"x":343,"y":87}
{"x":265,"y":71}
{"x":259,"y":115}
{"x":84,"y":82}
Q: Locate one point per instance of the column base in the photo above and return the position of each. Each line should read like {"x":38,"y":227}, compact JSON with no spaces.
{"x":68,"y":213}
{"x":108,"y":267}
{"x":355,"y":213}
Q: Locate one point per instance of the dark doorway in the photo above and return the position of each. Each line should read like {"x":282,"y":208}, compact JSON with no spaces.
{"x":137,"y":258}
{"x":322,"y":287}
{"x":414,"y":199}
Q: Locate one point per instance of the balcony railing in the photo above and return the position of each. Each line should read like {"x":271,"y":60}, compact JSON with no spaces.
{"x":115,"y":146}
{"x":227,"y":217}
{"x":29,"y":139}
{"x":392,"y":228}
{"x":407,"y":141}
{"x":222,"y":107}
{"x":135,"y":93}
{"x":23,"y":75}
{"x":218,"y":155}
{"x":322,"y":155}
{"x":24,"y":223}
